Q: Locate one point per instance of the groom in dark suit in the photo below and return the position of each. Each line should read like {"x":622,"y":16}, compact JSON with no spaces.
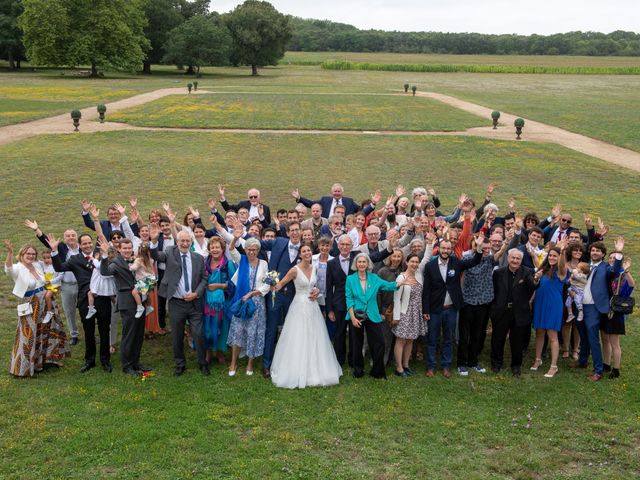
{"x":328,"y":204}
{"x":284,"y":255}
{"x":132,"y":327}
{"x":183,"y":283}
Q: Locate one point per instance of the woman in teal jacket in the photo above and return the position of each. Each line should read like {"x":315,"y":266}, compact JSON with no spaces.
{"x":361,"y":290}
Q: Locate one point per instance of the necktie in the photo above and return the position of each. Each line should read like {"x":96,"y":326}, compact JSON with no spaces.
{"x":89,"y":262}
{"x":185,"y":273}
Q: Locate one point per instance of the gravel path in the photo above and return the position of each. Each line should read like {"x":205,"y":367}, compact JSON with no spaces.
{"x":533,"y":131}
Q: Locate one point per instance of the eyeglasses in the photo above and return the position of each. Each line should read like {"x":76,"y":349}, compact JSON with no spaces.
{"x":116,"y":237}
{"x":253,"y":196}
{"x":566,"y":220}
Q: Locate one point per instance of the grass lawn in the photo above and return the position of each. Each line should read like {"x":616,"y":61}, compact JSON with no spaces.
{"x":533,"y":60}
{"x":299,"y":111}
{"x":66,"y":425}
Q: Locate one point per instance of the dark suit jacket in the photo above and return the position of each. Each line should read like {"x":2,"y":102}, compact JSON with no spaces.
{"x":77,"y":264}
{"x":602,"y":275}
{"x":124,"y":279}
{"x":435,"y":289}
{"x":336,"y":299}
{"x":326,"y":202}
{"x":106,"y":226}
{"x":173,"y":272}
{"x":522,"y":289}
{"x":246,"y":204}
{"x":281,"y":263}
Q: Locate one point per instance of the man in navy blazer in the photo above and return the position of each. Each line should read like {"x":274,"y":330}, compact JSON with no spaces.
{"x":442,"y":299}
{"x":328,"y":204}
{"x":597,"y":295}
{"x":113,"y":222}
{"x":253,"y":204}
{"x":284,"y":255}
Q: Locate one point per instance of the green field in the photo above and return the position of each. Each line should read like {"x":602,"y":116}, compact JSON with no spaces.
{"x":600,"y":106}
{"x":64,"y":425}
{"x":67,"y":425}
{"x":299,"y":111}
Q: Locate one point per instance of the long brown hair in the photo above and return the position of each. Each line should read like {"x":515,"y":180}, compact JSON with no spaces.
{"x":546,"y":267}
{"x":144,"y":254}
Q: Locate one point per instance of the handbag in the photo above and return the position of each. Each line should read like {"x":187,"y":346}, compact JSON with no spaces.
{"x":24,"y":309}
{"x":361,"y":315}
{"x":618,"y":304}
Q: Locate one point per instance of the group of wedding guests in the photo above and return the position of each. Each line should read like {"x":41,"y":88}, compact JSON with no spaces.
{"x":308,"y":287}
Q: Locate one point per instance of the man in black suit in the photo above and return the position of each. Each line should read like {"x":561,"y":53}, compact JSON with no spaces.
{"x":117,"y":265}
{"x":114,"y":222}
{"x":183,"y":284}
{"x":257,"y":210}
{"x":441,"y":301}
{"x":336,"y":302}
{"x":330,"y":203}
{"x":513,"y":286}
{"x":81,"y":265}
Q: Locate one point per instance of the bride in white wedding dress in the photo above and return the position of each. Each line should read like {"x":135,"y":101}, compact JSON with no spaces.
{"x":304,"y":356}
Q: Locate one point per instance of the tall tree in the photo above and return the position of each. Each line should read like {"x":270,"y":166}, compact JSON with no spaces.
{"x":201,"y":40}
{"x":162,"y":17}
{"x":99,"y":33}
{"x":259,"y":32}
{"x":11,"y":47}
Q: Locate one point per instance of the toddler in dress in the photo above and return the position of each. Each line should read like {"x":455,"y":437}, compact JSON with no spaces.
{"x":145,"y":279}
{"x":578,"y":284}
{"x":53,"y":280}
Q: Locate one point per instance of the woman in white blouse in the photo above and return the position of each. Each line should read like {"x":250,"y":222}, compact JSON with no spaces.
{"x":37,"y":343}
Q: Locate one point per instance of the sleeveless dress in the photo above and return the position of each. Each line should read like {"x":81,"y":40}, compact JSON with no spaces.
{"x":548,"y":305}
{"x":304,"y":355}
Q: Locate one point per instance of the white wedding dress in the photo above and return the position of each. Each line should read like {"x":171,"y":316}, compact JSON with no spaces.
{"x":304,"y":356}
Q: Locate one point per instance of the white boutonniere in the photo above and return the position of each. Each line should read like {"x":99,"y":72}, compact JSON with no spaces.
{"x":451,"y":273}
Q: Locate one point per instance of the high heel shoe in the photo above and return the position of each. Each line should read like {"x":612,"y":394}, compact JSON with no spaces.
{"x":536,"y":364}
{"x":553,"y":369}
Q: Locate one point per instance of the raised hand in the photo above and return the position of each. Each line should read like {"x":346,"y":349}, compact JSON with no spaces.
{"x":53,"y":243}
{"x":400,"y":190}
{"x":602,"y":228}
{"x":238,"y":231}
{"x":85,"y":204}
{"x":490,"y":188}
{"x":94,"y":212}
{"x":562,"y":244}
{"x":120,"y":208}
{"x":214,"y":221}
{"x":479,"y":241}
{"x":260,"y":211}
{"x":538,"y":275}
{"x":462,"y":198}
{"x":221,"y":191}
{"x":466,"y":205}
{"x":295,"y":193}
{"x":135,"y":215}
{"x":512,"y":204}
{"x":211,"y":203}
{"x":510,"y":234}
{"x":556,"y":210}
{"x":154,"y":232}
{"x":627,"y":264}
{"x":32,"y":224}
{"x":431,"y":238}
{"x":8,"y":246}
{"x":431,"y":192}
{"x":588,"y":222}
{"x":375,"y":197}
{"x":166,"y":207}
{"x":194,"y":212}
{"x":519,"y":223}
{"x":133,"y":201}
{"x":171,"y":216}
{"x":103,"y":245}
{"x":619,"y":245}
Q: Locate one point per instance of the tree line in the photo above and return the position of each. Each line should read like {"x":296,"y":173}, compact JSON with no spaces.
{"x":127,"y":34}
{"x":323,"y":35}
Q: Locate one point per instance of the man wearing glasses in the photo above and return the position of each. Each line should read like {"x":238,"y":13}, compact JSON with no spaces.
{"x":253,"y":204}
{"x":559,"y":230}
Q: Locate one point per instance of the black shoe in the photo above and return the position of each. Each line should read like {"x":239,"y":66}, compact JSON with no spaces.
{"x":179,"y":371}
{"x":358,"y":374}
{"x":74,"y":341}
{"x":142,"y":368}
{"x":615,"y":373}
{"x":107,"y":367}
{"x":402,"y":374}
{"x":131,"y":371}
{"x":409,"y":371}
{"x":204,"y":369}
{"x":515,"y":371}
{"x":606,"y":368}
{"x":86,"y":367}
{"x":266,"y":373}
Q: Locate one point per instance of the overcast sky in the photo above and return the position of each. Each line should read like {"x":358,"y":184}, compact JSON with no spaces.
{"x":483,"y":16}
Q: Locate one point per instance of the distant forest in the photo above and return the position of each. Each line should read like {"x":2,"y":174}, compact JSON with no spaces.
{"x":323,"y":35}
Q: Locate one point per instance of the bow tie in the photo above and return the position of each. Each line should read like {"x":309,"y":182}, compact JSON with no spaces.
{"x":294,"y":247}
{"x":343,"y":259}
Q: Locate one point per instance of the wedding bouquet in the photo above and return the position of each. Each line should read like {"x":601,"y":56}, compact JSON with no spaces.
{"x":271,"y":279}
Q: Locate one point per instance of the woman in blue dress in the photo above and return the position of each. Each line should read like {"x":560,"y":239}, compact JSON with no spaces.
{"x":548,"y":305}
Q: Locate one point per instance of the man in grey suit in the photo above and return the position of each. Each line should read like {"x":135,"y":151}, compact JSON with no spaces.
{"x":183,"y":284}
{"x":132,"y":327}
